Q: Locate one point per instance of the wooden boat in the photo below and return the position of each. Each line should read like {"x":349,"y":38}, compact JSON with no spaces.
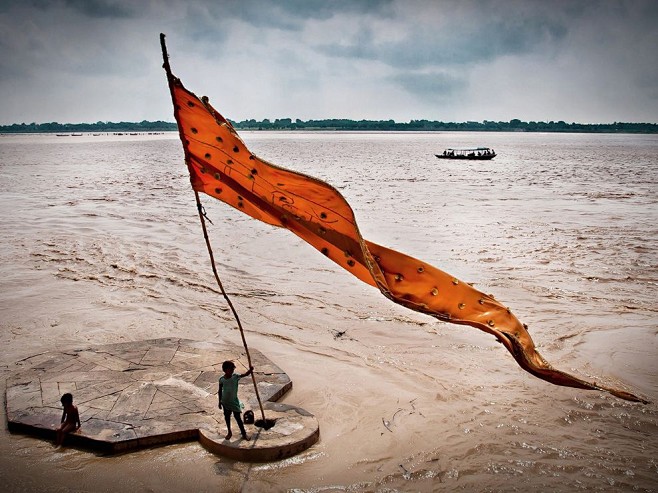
{"x":477,"y":153}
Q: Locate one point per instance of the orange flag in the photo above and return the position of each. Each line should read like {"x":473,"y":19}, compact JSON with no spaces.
{"x":221,"y":165}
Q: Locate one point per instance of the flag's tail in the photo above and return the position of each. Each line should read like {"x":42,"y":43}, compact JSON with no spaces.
{"x":424,"y":288}
{"x":531,"y":361}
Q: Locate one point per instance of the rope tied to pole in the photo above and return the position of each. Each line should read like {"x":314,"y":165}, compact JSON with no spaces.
{"x":202,"y":211}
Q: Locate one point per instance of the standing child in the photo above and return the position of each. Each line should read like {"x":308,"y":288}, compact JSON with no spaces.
{"x":70,"y":418}
{"x":228,"y":397}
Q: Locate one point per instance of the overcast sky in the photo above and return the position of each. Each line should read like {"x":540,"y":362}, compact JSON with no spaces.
{"x":99,"y":60}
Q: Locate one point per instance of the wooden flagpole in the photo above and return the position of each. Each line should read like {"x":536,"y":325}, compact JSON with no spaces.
{"x":170,"y":78}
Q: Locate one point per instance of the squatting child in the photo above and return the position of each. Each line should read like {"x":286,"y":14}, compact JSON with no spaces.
{"x":70,"y":418}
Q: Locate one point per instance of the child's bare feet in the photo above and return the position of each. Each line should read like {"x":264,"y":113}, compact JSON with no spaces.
{"x":246,"y":437}
{"x":229,"y":435}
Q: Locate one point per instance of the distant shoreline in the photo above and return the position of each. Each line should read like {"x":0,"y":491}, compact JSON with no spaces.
{"x":344,"y":125}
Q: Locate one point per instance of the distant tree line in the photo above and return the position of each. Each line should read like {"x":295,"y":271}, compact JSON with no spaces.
{"x":514,"y":125}
{"x":54,"y":127}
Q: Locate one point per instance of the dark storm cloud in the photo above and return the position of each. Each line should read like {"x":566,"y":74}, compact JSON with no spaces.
{"x":292,"y":14}
{"x":103,"y":8}
{"x":111,"y":9}
{"x":480,"y":39}
{"x":439,"y":86}
{"x":206,"y":26}
{"x":36,"y":37}
{"x":286,"y":15}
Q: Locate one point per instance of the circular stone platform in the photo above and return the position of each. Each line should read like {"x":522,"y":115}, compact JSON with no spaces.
{"x":290,"y":435}
{"x":139,"y":394}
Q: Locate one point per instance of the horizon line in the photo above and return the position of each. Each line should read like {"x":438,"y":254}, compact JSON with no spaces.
{"x":293,"y":121}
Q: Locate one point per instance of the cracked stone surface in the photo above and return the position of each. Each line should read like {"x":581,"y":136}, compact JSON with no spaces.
{"x":139,"y":394}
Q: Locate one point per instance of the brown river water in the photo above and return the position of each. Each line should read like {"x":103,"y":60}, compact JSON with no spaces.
{"x":101,"y":243}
